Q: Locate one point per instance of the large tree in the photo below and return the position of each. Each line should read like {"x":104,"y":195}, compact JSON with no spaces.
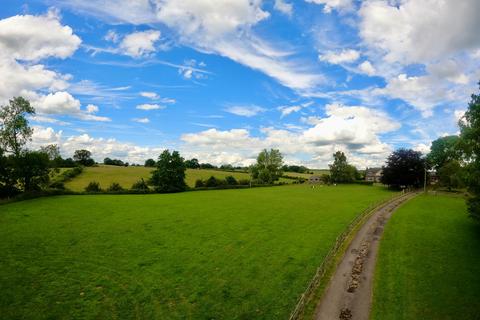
{"x":404,"y":168}
{"x":32,"y":169}
{"x":450,"y":175}
{"x":340,"y":170}
{"x":443,"y":150}
{"x":14,"y":129}
{"x":268,"y":168}
{"x":83,"y":157}
{"x":169,"y":176}
{"x":470,"y":135}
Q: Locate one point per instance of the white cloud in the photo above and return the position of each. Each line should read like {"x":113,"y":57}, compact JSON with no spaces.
{"x":141,"y":120}
{"x":420,"y":31}
{"x":91,"y":108}
{"x":112,"y":36}
{"x":284,"y":7}
{"x":140,"y":43}
{"x":329,"y":5}
{"x":286,"y":110}
{"x":367,"y":68}
{"x":57,"y":103}
{"x":33,"y":38}
{"x":344,"y":56}
{"x":149,"y":95}
{"x":148,"y":106}
{"x":245,"y":111}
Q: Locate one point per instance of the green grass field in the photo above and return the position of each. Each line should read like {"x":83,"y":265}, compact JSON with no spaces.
{"x":428,"y":264}
{"x":126,"y":176}
{"x":224,"y":254}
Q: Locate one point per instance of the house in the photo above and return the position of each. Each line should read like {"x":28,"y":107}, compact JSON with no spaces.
{"x":373,"y":174}
{"x":315,"y":179}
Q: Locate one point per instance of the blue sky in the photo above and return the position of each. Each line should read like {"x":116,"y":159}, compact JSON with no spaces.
{"x":220,"y":80}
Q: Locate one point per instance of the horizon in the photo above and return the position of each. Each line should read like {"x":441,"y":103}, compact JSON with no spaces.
{"x":220,"y":81}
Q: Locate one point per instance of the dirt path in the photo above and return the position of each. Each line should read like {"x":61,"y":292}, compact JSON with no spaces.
{"x":349,"y":293}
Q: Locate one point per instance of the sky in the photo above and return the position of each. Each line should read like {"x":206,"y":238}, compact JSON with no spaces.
{"x":220,"y":80}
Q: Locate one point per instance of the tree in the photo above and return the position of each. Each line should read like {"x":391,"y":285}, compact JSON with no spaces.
{"x":14,"y":129}
{"x":150,"y":163}
{"x":470,"y":135}
{"x":32,"y":169}
{"x":268,"y":168}
{"x":83,"y":157}
{"x":340,"y":170}
{"x":443,"y":150}
{"x":450,"y":175}
{"x":192,"y":163}
{"x":169,"y":176}
{"x":51,"y":150}
{"x":7,"y":177}
{"x":404,"y":168}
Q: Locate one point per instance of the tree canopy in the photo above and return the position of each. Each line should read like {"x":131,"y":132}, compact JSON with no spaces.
{"x":83,"y":157}
{"x":169,"y":175}
{"x":443,"y":150}
{"x":268,"y":168}
{"x":404,"y":168}
{"x":14,"y":129}
{"x":340,"y":170}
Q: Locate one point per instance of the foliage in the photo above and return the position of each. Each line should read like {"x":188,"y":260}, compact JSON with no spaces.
{"x":140,"y":185}
{"x":14,"y":129}
{"x":114,"y":162}
{"x":443,"y":150}
{"x":32,"y":170}
{"x":114,"y":187}
{"x":295,"y":168}
{"x":470,"y":135}
{"x":192,"y":164}
{"x":340,"y":170}
{"x":212,"y":182}
{"x":199,"y":183}
{"x":207,"y":166}
{"x":83,"y":157}
{"x":8,"y":187}
{"x":243,"y":243}
{"x":231,"y":181}
{"x":93,"y":186}
{"x":427,"y":265}
{"x":326,"y":178}
{"x":150,"y":163}
{"x":404,"y":168}
{"x":268,"y":168}
{"x":169,"y":175}
{"x":450,"y":175}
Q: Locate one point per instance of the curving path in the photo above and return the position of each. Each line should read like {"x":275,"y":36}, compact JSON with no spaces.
{"x":349,"y":293}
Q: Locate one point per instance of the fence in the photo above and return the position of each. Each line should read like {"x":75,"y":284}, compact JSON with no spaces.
{"x":329,"y":258}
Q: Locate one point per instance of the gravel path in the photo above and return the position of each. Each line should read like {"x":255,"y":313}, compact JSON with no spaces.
{"x":349,"y":293}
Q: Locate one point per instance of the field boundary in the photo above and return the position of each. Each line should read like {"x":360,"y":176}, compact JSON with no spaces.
{"x":329,"y":258}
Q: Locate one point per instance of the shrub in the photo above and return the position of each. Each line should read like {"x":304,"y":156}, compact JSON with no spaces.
{"x":114,"y":187}
{"x":57,"y":185}
{"x":140,"y":185}
{"x":244,"y":182}
{"x":93,"y":187}
{"x":199,"y":183}
{"x":211,"y":182}
{"x":231,"y":181}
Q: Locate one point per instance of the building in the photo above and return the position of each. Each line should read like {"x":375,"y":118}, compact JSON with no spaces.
{"x":315,"y":179}
{"x":373,"y":174}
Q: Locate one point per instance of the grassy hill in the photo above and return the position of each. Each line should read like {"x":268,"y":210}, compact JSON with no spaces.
{"x":226,"y":254}
{"x":126,"y":176}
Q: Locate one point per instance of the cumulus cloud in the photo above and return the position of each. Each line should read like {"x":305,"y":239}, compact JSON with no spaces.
{"x":140,"y":43}
{"x":150,"y":95}
{"x":343,"y":56}
{"x":284,"y":7}
{"x":245,"y":111}
{"x":367,"y":68}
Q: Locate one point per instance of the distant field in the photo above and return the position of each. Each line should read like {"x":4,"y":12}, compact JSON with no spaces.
{"x":126,"y":176}
{"x":226,"y":254}
{"x":428,"y":264}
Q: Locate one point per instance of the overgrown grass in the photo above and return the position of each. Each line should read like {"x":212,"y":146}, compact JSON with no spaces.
{"x":126,"y":176}
{"x":229,"y":254}
{"x":428,"y":264}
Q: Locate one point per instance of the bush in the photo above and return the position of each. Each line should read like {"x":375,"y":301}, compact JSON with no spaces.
{"x":211,"y":182}
{"x":244,"y":182}
{"x":231,"y":181}
{"x":57,"y":185}
{"x":114,"y":187}
{"x":199,"y":183}
{"x":93,"y":187}
{"x":140,"y":185}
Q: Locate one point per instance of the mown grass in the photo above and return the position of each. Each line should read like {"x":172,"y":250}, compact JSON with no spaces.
{"x":428,"y":264}
{"x":226,"y":254}
{"x":126,"y":176}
